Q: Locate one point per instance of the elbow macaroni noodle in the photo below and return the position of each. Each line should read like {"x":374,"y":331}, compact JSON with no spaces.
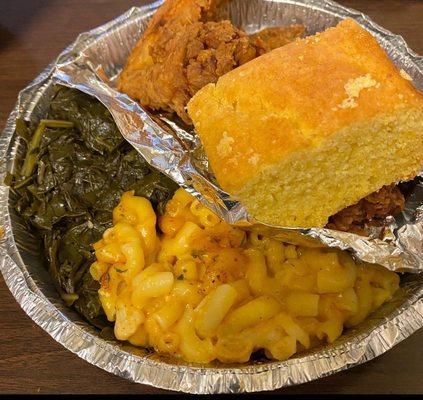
{"x":204,"y":290}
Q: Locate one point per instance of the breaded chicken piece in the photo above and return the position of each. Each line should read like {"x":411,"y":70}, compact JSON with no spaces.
{"x":214,"y":49}
{"x":182,"y":50}
{"x":370,"y":210}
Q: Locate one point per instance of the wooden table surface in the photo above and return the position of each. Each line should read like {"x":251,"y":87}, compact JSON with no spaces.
{"x":32,"y":33}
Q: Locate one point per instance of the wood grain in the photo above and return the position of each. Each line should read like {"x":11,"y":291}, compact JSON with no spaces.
{"x":32,"y":33}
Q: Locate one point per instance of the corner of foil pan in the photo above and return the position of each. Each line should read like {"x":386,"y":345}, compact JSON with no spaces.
{"x":379,"y":31}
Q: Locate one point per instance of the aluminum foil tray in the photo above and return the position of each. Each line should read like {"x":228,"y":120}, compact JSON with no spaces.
{"x":28,"y":280}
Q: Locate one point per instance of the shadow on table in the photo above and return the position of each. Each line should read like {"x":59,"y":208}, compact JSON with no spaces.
{"x":16,"y":16}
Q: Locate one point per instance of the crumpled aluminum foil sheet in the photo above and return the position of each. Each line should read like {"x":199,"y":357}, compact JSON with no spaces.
{"x":29,"y":282}
{"x":92,"y":66}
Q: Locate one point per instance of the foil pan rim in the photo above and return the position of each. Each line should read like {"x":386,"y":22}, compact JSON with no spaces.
{"x":190,"y":379}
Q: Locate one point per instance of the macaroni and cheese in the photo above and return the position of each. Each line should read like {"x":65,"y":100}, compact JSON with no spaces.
{"x":204,"y":290}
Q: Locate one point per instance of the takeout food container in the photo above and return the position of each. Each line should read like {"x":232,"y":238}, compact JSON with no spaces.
{"x":28,"y":280}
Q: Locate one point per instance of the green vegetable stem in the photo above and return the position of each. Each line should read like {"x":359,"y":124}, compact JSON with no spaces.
{"x":31,"y":155}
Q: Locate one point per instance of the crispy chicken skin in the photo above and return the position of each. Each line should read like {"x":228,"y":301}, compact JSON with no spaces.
{"x":214,"y":49}
{"x":370,"y":210}
{"x":182,"y":51}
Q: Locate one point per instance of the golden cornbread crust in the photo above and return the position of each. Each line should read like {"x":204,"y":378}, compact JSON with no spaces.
{"x":269,"y":125}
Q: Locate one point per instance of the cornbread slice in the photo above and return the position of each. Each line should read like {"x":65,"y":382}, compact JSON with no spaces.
{"x":310,"y":128}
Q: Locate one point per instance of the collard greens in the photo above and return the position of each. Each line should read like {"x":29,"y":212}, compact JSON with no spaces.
{"x":76,"y":167}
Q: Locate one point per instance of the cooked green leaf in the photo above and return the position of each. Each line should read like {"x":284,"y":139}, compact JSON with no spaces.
{"x":76,"y":167}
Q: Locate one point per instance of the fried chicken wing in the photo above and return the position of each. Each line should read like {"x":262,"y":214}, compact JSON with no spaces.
{"x":182,"y":51}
